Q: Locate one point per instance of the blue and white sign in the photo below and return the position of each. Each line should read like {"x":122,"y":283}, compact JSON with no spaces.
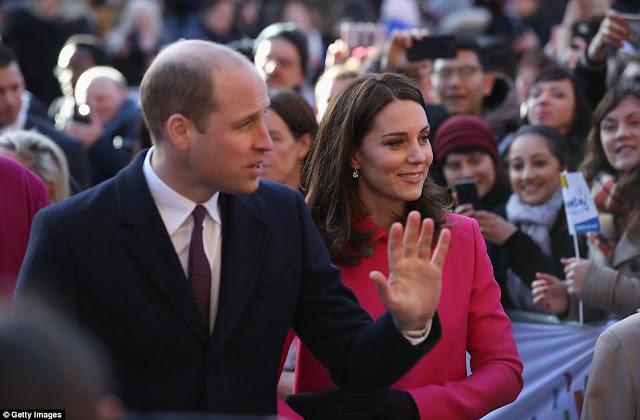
{"x":582,"y":215}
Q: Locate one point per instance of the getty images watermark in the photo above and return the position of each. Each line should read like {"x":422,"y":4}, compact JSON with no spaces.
{"x":32,"y":414}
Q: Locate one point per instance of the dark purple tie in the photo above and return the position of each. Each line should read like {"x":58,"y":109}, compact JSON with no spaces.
{"x":199,"y":269}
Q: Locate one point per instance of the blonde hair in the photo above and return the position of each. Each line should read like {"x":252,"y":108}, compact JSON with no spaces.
{"x":43,"y":157}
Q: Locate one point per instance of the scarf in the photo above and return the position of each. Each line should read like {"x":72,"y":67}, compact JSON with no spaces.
{"x":535,"y":222}
{"x":611,"y":211}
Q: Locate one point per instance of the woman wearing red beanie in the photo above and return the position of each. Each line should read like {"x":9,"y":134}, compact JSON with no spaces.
{"x":465,"y":148}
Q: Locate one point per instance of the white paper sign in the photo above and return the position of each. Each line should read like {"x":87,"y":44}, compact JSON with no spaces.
{"x":582,"y":215}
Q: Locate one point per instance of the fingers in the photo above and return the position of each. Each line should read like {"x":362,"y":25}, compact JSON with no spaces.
{"x":444,"y":240}
{"x":411,"y":232}
{"x":571,"y":288}
{"x":415,"y":240}
{"x":425,"y":239}
{"x":547,"y":277}
{"x":465,"y":210}
{"x":382,"y":285}
{"x":395,"y":250}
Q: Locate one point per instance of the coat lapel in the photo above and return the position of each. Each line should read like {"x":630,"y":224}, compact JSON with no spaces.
{"x":243,"y":241}
{"x":624,"y":251}
{"x":148,"y":240}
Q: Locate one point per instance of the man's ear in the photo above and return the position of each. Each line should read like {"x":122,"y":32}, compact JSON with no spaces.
{"x":489,"y":80}
{"x":179,"y":129}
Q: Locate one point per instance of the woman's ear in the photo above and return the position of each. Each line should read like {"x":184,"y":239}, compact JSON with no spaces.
{"x":303,"y":145}
{"x":179,"y":129}
{"x":355,"y":158}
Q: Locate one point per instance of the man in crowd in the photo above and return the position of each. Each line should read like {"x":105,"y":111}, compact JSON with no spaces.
{"x":111,"y":122}
{"x":280,"y":55}
{"x":461,"y":83}
{"x":17,"y":114}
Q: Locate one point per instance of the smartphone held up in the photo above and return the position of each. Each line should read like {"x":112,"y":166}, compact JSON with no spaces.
{"x":467,"y":192}
{"x":432,"y":47}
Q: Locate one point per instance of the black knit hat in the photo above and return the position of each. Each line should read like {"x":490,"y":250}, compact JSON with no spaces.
{"x":290,"y":32}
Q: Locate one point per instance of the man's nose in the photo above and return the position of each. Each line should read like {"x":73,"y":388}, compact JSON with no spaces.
{"x":263,"y":140}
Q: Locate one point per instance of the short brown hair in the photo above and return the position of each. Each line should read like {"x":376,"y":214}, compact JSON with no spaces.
{"x":180,"y":85}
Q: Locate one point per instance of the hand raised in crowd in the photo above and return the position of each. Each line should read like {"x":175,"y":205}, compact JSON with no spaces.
{"x":574,"y":270}
{"x":395,"y":56}
{"x":88,"y":134}
{"x":412,"y":292}
{"x":337,"y":53}
{"x":549,"y":293}
{"x":612,"y":31}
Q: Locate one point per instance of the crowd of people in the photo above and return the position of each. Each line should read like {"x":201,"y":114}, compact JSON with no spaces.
{"x":296,"y":207}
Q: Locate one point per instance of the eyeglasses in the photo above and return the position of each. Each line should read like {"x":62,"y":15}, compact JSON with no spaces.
{"x":462,"y":71}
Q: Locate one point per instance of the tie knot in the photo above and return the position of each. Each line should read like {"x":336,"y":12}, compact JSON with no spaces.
{"x":198,"y":214}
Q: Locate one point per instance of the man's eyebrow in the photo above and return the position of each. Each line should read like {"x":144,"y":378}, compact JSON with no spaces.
{"x":246,"y":119}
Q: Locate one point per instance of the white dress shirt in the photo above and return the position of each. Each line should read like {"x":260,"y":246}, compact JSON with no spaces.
{"x":176,"y":213}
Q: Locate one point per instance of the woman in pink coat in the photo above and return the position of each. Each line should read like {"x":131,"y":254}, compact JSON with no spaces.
{"x":366,"y":170}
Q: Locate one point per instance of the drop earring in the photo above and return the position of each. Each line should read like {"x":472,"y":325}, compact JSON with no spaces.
{"x":355,"y":173}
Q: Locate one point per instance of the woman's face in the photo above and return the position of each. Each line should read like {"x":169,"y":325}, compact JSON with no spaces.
{"x":620,"y":134}
{"x":394,"y":157}
{"x":476,"y":165}
{"x":282,"y":163}
{"x":534,"y":171}
{"x":552,"y":103}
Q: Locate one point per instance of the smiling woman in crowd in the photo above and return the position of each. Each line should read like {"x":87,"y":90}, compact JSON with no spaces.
{"x":610,"y":278}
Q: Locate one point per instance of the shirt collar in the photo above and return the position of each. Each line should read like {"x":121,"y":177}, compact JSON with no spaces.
{"x":173,"y":207}
{"x":363,"y":224}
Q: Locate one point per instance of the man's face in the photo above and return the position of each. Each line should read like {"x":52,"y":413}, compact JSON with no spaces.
{"x":228,"y":156}
{"x":11,"y":89}
{"x":460,"y":83}
{"x":278,"y":62}
{"x":105,"y":97}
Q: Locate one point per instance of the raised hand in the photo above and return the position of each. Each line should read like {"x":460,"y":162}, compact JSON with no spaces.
{"x":612,"y":31}
{"x":412,"y":291}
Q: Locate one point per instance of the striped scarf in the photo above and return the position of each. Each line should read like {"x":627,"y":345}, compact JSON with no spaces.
{"x":611,"y":211}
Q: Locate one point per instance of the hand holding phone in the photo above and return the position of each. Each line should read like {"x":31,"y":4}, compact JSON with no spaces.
{"x":468,"y":193}
{"x":432,"y":47}
{"x":633,"y":21}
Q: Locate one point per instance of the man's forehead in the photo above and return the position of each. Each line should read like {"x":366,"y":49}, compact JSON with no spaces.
{"x":279,"y":46}
{"x":462,"y":57}
{"x":11,"y":72}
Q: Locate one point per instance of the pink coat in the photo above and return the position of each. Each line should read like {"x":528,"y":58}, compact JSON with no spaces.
{"x":472,"y":321}
{"x":22,"y":194}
